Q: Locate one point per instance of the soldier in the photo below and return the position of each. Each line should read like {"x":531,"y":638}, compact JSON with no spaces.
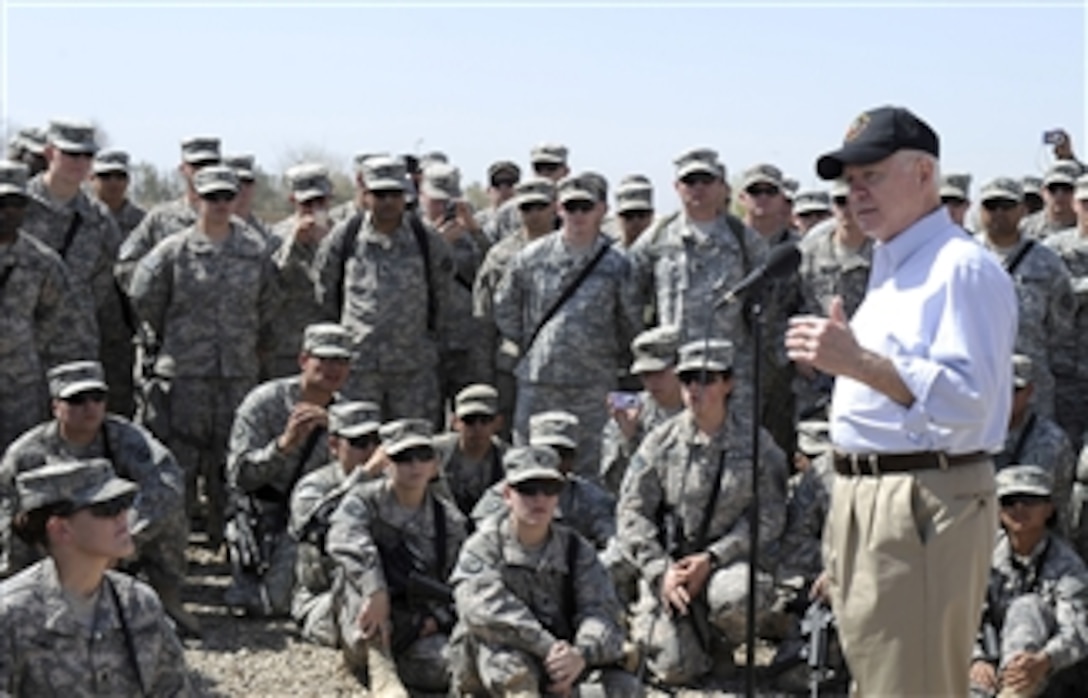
{"x":357,"y":204}
{"x":835,"y":261}
{"x":584,"y":505}
{"x":278,"y":436}
{"x":956,"y":196}
{"x":1068,"y":362}
{"x":535,"y":204}
{"x":568,"y":304}
{"x":1057,"y":213}
{"x":683,"y":521}
{"x":246,"y":171}
{"x":353,"y":441}
{"x":536,"y":610}
{"x":208,"y":293}
{"x":70,"y":625}
{"x":297,"y":239}
{"x":810,"y":208}
{"x":1033,"y":196}
{"x":387,"y":278}
{"x":28,"y":147}
{"x":396,"y":543}
{"x":502,"y":177}
{"x":549,"y":160}
{"x":654,"y":353}
{"x":1033,"y":623}
{"x":110,"y":186}
{"x":798,"y":552}
{"x":1043,"y":287}
{"x":634,"y":207}
{"x":35,"y":304}
{"x":81,"y":429}
{"x":471,"y":455}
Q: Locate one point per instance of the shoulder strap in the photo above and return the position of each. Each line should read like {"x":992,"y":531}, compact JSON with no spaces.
{"x":70,"y":234}
{"x":566,"y":294}
{"x":569,"y":592}
{"x":130,"y":645}
{"x":737,"y":226}
{"x":711,"y":504}
{"x":351,"y":234}
{"x":439,"y":535}
{"x":1012,"y":263}
{"x":420,"y":234}
{"x":496,"y":465}
{"x":1025,"y":434}
{"x":5,"y":275}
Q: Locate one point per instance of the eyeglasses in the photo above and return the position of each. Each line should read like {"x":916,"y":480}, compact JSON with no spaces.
{"x":474,"y":419}
{"x":952,"y":201}
{"x":700,"y":377}
{"x":533,"y":206}
{"x":840,"y":201}
{"x":578,"y":206}
{"x":501,"y":183}
{"x":218,"y":197}
{"x":364,"y":441}
{"x":999,"y":205}
{"x":1028,"y":500}
{"x":532,"y":488}
{"x":13,"y":201}
{"x":546,"y":168}
{"x":564,"y":452}
{"x":86,"y":396}
{"x":387,"y":193}
{"x":72,"y":154}
{"x":111,"y":508}
{"x":762,"y":191}
{"x":418,"y":454}
{"x":697,"y":178}
{"x":811,"y":214}
{"x":1059,"y":188}
{"x":631,"y":215}
{"x":115,"y":174}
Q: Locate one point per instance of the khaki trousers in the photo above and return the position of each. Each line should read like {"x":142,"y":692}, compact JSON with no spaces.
{"x":909,"y":557}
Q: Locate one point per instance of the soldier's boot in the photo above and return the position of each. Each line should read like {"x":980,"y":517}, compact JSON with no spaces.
{"x":382,"y":671}
{"x":187,"y":623}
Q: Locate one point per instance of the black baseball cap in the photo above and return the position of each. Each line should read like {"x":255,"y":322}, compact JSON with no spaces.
{"x":875,"y":135}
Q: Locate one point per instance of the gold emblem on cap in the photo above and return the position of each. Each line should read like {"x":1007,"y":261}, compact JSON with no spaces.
{"x":856,"y":128}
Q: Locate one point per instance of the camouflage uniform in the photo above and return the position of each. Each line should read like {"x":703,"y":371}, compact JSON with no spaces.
{"x":468,"y":480}
{"x":1039,"y":225}
{"x":1067,"y":361}
{"x":1078,"y":507}
{"x":799,"y":551}
{"x":129,"y":215}
{"x":161,"y":222}
{"x":1040,"y":440}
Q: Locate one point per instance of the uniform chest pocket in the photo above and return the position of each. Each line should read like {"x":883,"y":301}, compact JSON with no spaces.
{"x":1032,"y":295}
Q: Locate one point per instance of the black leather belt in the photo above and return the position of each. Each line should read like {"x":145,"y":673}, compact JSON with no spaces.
{"x":881,"y":463}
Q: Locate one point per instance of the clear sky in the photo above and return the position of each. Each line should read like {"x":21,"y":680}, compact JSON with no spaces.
{"x":625,"y":86}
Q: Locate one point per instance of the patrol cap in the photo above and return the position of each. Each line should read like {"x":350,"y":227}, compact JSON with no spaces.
{"x":403,"y":434}
{"x":790,"y":187}
{"x":243,"y":166}
{"x":309,"y":181}
{"x":198,"y":150}
{"x":66,"y":380}
{"x":441,"y":181}
{"x":655,"y":349}
{"x":762,"y":173}
{"x":548,"y":154}
{"x":503,"y":167}
{"x":1023,"y":371}
{"x":108,"y":161}
{"x":576,"y":188}
{"x":478,"y":398}
{"x":813,"y":437}
{"x":327,"y":340}
{"x":31,"y":139}
{"x":634,"y":197}
{"x":13,"y":176}
{"x":553,"y":428}
{"x":839,"y":188}
{"x":696,"y":160}
{"x":384,"y":173}
{"x":706,"y":354}
{"x":1031,"y":184}
{"x":352,"y":419}
{"x":1081,"y":192}
{"x":433,"y":157}
{"x":213,"y":178}
{"x":635,"y":180}
{"x":596,"y":183}
{"x":535,"y":190}
{"x":812,"y":201}
{"x":71,"y":136}
{"x":524,"y":463}
{"x":956,"y":186}
{"x":1005,"y":188}
{"x":1062,"y":172}
{"x":360,"y":158}
{"x":80,"y":482}
{"x":875,"y":135}
{"x":1024,"y":479}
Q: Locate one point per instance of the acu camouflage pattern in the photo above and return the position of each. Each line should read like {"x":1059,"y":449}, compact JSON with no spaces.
{"x":467,"y":480}
{"x":1068,"y":362}
{"x":799,"y":551}
{"x":617,"y":449}
{"x":128,"y":217}
{"x":295,"y":271}
{"x":1046,"y":445}
{"x":45,"y":650}
{"x":161,"y":222}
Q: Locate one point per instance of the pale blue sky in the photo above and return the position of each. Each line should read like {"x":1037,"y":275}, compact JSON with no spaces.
{"x":626,"y":87}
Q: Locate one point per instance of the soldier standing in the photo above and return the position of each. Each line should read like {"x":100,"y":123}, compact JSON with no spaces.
{"x":1057,"y":214}
{"x":110,"y":186}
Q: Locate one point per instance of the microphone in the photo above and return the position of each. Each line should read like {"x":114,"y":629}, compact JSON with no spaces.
{"x":783,"y":260}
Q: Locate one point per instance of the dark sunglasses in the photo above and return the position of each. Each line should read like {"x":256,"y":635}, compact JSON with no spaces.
{"x":419,"y":454}
{"x":700,"y":377}
{"x":115,"y":174}
{"x":217,"y":197}
{"x":86,"y":396}
{"x":364,"y":441}
{"x":632,"y":215}
{"x":841,"y":201}
{"x":533,"y":206}
{"x":1059,"y":188}
{"x":578,"y":206}
{"x":697,"y":178}
{"x":500,"y":183}
{"x":78,"y":155}
{"x":474,"y":419}
{"x":13,"y":201}
{"x":564,"y":452}
{"x":952,"y":201}
{"x":812,"y":214}
{"x":111,"y":508}
{"x":999,"y":205}
{"x":1028,"y":500}
{"x":532,"y":488}
{"x":387,"y":194}
{"x":762,"y":191}
{"x":546,"y":167}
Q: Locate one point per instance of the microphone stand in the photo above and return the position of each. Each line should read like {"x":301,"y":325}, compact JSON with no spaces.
{"x":756,"y":313}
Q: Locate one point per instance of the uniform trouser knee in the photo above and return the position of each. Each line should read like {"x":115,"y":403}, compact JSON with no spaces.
{"x":1028,"y":624}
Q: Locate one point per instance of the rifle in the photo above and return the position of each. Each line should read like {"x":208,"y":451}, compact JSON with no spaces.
{"x":817,"y":626}
{"x":698,"y":609}
{"x":252,"y":531}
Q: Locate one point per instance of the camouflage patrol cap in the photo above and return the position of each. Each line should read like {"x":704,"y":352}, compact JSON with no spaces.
{"x":309,"y":181}
{"x":576,"y":189}
{"x":404,"y":434}
{"x":790,"y":187}
{"x":524,"y":463}
{"x":434,"y":157}
{"x":1031,"y":184}
{"x":441,"y":181}
{"x":696,"y":160}
{"x":535,"y":190}
{"x":548,"y":154}
{"x":956,"y":186}
{"x":384,"y":173}
{"x":13,"y":177}
{"x":1005,"y":188}
{"x":839,"y":188}
{"x":553,"y":428}
{"x":635,"y":180}
{"x":706,"y":354}
{"x":243,"y":166}
{"x":1081,"y":192}
{"x":66,"y":380}
{"x":655,"y":349}
{"x":71,"y":136}
{"x":32,"y":140}
{"x":478,"y":398}
{"x":763,"y":173}
{"x":353,"y":419}
{"x":813,"y":437}
{"x":634,"y":197}
{"x":108,"y":161}
{"x":327,"y":340}
{"x":503,"y":167}
{"x":360,"y":158}
{"x":1024,"y":479}
{"x":1023,"y":371}
{"x":79,"y":482}
{"x":199,"y":150}
{"x":1062,"y":172}
{"x":812,"y":201}
{"x":596,"y":183}
{"x":213,"y":178}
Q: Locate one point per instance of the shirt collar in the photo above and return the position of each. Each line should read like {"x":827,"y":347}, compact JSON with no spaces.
{"x":901,"y":247}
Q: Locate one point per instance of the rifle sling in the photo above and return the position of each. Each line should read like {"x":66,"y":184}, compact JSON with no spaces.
{"x":130,"y":645}
{"x":566,"y":294}
{"x":1013,"y":263}
{"x":70,"y":234}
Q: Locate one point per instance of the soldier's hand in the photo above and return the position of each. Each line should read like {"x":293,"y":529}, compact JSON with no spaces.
{"x":303,"y":419}
{"x":452,"y":230}
{"x":429,"y":626}
{"x":1025,"y":671}
{"x":820,"y":587}
{"x":1064,"y":149}
{"x":374,"y":617}
{"x":695,"y":570}
{"x":309,"y":229}
{"x":673,"y":593}
{"x":564,"y":665}
{"x":466,"y":217}
{"x":983,"y":675}
{"x":377,"y":464}
{"x":626,"y":419}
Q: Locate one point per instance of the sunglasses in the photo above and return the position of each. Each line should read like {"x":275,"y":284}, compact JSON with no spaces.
{"x":762,"y":191}
{"x":86,"y":396}
{"x":811,"y":214}
{"x":532,"y":488}
{"x":500,"y":183}
{"x":382,"y":194}
{"x":1028,"y":500}
{"x":697,"y":178}
{"x":632,"y":215}
{"x":474,"y":419}
{"x":111,"y":508}
{"x":218,"y":197}
{"x":578,"y":206}
{"x":564,"y":452}
{"x":1059,"y":188}
{"x":700,"y":377}
{"x":77,"y":155}
{"x":365,"y":441}
{"x":419,"y":454}
{"x":952,"y":201}
{"x":546,"y":168}
{"x":999,"y":205}
{"x":112,"y":175}
{"x":840,"y":201}
{"x":13,"y":201}
{"x":533,"y":206}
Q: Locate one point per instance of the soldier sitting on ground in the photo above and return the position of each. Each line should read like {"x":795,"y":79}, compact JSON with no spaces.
{"x":471,"y":455}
